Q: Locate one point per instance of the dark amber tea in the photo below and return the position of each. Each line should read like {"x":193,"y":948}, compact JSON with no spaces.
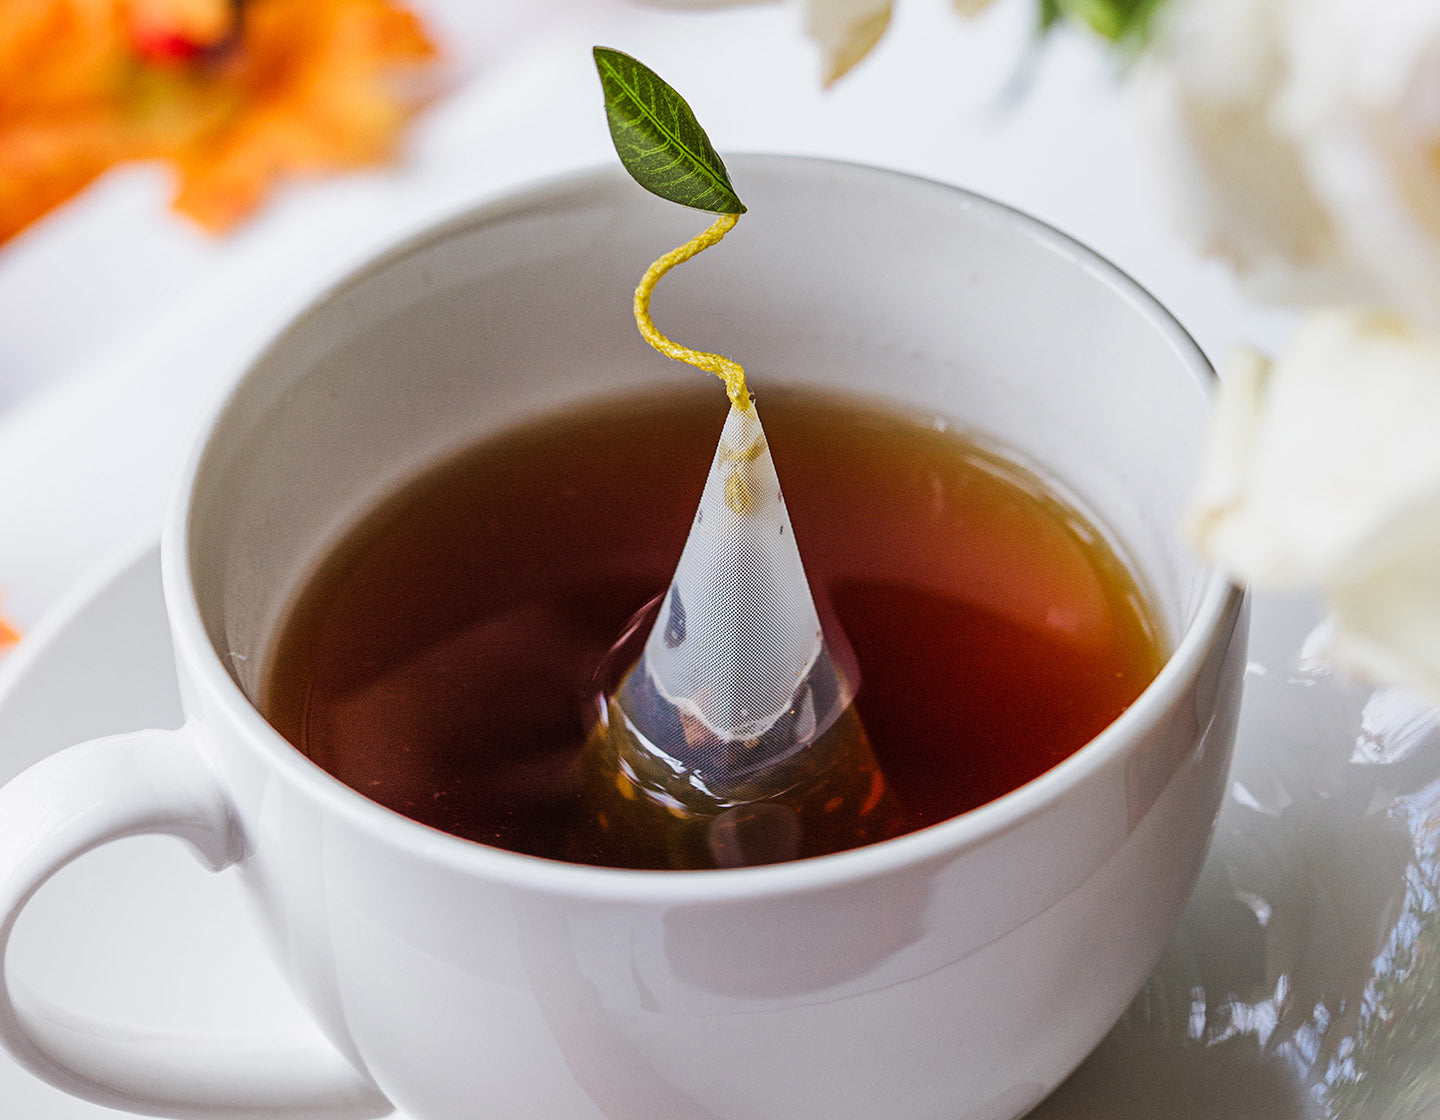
{"x":443,"y":661}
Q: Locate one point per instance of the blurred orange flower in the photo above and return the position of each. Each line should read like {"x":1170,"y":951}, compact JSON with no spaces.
{"x":8,"y":634}
{"x":233,"y":93}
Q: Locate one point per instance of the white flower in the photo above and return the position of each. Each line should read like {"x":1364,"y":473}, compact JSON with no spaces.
{"x":1299,"y":139}
{"x":845,"y":31}
{"x":1324,"y":471}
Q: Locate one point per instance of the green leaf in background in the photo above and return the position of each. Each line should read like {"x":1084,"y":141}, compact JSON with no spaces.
{"x":1120,"y":21}
{"x":658,"y":138}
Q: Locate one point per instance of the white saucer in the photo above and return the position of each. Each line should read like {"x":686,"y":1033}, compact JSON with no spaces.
{"x":1275,"y":999}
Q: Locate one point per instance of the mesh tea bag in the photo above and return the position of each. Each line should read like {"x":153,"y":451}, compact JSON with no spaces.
{"x":733,"y":739}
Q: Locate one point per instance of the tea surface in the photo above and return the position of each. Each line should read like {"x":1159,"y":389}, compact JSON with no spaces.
{"x":442,"y":660}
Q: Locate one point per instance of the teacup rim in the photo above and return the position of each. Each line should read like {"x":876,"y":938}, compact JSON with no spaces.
{"x":1213,"y":616}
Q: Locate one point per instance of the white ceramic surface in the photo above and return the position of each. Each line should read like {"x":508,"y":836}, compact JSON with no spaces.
{"x":133,"y":933}
{"x":958,"y":972}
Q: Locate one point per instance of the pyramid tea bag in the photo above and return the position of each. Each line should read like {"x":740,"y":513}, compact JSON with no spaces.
{"x":738,"y":653}
{"x":733,"y":739}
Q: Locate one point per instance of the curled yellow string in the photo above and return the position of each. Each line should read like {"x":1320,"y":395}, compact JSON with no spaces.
{"x":722,"y":367}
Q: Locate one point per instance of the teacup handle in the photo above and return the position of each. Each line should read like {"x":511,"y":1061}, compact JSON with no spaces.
{"x":148,"y":782}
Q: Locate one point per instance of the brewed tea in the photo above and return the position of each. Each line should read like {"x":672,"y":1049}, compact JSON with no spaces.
{"x":443,"y":660}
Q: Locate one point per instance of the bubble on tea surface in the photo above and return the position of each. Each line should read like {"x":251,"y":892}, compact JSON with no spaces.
{"x":733,"y":739}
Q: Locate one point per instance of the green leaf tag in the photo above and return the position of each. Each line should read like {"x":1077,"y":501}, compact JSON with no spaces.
{"x":658,"y":138}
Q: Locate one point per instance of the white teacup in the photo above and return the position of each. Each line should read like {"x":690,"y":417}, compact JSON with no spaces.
{"x":956,"y":973}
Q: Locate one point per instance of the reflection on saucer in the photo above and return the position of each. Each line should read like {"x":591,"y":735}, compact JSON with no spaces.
{"x":1303,"y":981}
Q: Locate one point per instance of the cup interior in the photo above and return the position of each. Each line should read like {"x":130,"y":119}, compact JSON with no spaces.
{"x":910,"y":293}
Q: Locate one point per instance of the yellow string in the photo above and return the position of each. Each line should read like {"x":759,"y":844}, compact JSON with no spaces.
{"x":722,"y":367}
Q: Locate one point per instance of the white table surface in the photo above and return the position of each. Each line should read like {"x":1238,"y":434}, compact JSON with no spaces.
{"x":118,"y":316}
